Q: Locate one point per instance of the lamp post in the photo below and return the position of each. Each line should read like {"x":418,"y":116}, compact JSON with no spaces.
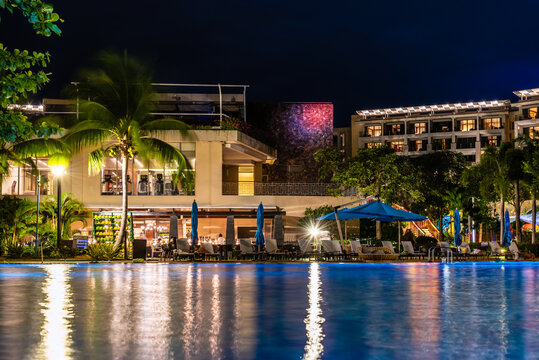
{"x":58,"y":171}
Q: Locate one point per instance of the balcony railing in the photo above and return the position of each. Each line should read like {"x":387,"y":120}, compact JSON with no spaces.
{"x":277,"y":189}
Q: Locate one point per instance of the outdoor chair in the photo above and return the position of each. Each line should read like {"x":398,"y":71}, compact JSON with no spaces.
{"x":388,"y":245}
{"x":332,"y":249}
{"x":495,"y":249}
{"x":466,"y":251}
{"x":409,"y":251}
{"x":306,"y":249}
{"x":246,"y":249}
{"x":157,"y":251}
{"x":209,"y":252}
{"x":355,"y":248}
{"x":182,"y":250}
{"x":273,"y":251}
{"x":513,"y":249}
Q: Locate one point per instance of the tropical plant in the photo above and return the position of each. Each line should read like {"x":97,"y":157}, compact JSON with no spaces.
{"x":118,"y":101}
{"x":72,"y":211}
{"x":22,"y":72}
{"x":17,"y":218}
{"x":494,"y":165}
{"x":531,"y":169}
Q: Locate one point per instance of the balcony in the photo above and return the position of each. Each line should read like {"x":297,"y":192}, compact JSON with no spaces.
{"x":247,"y":188}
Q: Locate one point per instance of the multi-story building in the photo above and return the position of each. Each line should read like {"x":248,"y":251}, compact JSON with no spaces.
{"x":225,"y":180}
{"x":463,"y":127}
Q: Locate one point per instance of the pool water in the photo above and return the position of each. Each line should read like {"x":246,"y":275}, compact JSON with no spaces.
{"x":270,"y":311}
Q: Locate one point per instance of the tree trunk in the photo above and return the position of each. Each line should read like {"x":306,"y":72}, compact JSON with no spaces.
{"x":502,"y":219}
{"x":517,"y":210}
{"x":441,"y":233}
{"x":481,"y":232}
{"x":379,"y":230}
{"x":534,"y":210}
{"x":121,"y":233}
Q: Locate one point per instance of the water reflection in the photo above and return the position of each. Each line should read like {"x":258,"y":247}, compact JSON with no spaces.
{"x":314,"y":319}
{"x":57,"y":311}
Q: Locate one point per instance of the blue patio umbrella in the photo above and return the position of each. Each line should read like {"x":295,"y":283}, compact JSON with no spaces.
{"x":507,"y":234}
{"x":259,"y":236}
{"x":194,"y":223}
{"x":347,"y":214}
{"x":458,"y":237}
{"x":377,"y":210}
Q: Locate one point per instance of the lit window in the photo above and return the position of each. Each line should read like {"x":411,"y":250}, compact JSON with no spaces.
{"x":534,"y":132}
{"x":342,"y":140}
{"x":532,"y":113}
{"x":398,"y":146}
{"x":373,"y":145}
{"x":420,"y":128}
{"x":375,"y":130}
{"x":492,"y":141}
{"x":419,"y":145}
{"x":491,"y":123}
{"x":467,"y":125}
{"x":246,"y":181}
{"x":396,"y":129}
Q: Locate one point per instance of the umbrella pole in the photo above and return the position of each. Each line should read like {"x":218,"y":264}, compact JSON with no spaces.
{"x":399,"y":231}
{"x":338,"y":225}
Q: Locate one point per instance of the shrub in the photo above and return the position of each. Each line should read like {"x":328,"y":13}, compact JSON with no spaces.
{"x":138,"y":261}
{"x":14,"y":250}
{"x":100,"y":251}
{"x":110,"y":251}
{"x":96,"y":252}
{"x":529,"y":248}
{"x":69,"y":252}
{"x":28,"y":252}
{"x":408,"y":236}
{"x":424,"y":243}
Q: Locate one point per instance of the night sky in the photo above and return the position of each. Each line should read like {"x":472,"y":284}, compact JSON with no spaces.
{"x":356,"y":54}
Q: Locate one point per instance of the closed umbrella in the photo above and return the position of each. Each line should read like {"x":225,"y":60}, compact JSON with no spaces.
{"x":194,"y":223}
{"x":507,"y":234}
{"x":458,"y":237}
{"x":259,"y":236}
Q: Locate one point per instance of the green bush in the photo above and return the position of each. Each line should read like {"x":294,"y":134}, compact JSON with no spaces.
{"x":96,"y":252}
{"x":69,"y":252}
{"x":28,"y":252}
{"x":424,"y":243}
{"x":14,"y":250}
{"x":101,"y":251}
{"x":138,"y":261}
{"x":111,"y":252}
{"x":529,"y":248}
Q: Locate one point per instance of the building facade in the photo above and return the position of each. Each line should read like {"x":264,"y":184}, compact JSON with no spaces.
{"x":463,"y":127}
{"x":226,"y":175}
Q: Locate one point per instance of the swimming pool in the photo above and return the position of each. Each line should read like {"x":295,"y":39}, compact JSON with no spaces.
{"x":270,"y":311}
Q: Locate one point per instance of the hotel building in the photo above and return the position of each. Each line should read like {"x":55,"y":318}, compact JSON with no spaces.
{"x":226,"y":177}
{"x":464,"y":127}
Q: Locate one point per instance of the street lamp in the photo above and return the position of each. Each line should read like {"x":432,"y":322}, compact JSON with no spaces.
{"x":58,"y":169}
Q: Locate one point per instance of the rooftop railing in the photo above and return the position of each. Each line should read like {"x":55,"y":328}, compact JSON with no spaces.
{"x":249,"y":188}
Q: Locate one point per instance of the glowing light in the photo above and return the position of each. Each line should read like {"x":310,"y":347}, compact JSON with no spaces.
{"x":58,"y":170}
{"x":314,"y":230}
{"x":314,"y":319}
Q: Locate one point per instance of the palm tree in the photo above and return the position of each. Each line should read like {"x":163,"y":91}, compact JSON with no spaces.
{"x":72,"y":211}
{"x":120,"y":99}
{"x":531,"y":169}
{"x":494,"y":165}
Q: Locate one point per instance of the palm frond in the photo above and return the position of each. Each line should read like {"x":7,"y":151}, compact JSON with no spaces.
{"x":97,"y":110}
{"x":95,"y":161}
{"x":87,"y":138}
{"x":161,"y":151}
{"x":39,"y":148}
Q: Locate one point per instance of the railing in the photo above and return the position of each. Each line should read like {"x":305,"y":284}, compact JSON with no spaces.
{"x":249,"y":188}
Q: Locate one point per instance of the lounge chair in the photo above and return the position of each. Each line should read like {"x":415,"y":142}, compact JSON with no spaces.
{"x":332,"y":249}
{"x":355,"y":248}
{"x":246,"y":249}
{"x":182,"y":250}
{"x":495,"y":249}
{"x":513,"y":248}
{"x":272,"y":250}
{"x":445,"y":250}
{"x":409,"y":250}
{"x":209,"y":252}
{"x":467,"y":252}
{"x":306,"y":249}
{"x":388,"y":245}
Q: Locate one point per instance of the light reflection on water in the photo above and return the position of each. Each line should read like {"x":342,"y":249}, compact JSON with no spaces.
{"x":226,"y":311}
{"x":314,"y":319}
{"x":57,"y":311}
